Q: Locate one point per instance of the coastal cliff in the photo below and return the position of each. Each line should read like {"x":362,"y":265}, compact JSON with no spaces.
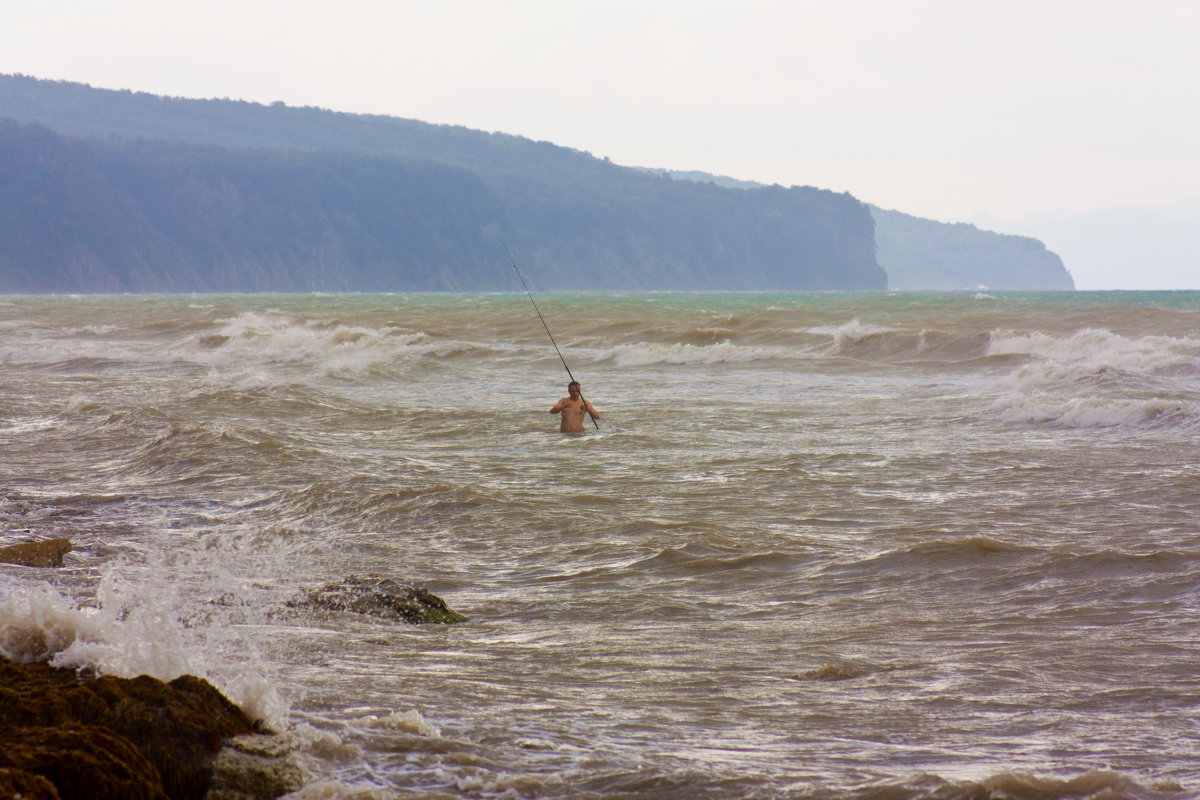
{"x":109,"y":191}
{"x":923,"y":254}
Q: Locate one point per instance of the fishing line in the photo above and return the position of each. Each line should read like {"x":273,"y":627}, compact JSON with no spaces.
{"x":513,"y":261}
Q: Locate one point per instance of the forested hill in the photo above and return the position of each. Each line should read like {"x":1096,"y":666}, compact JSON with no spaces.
{"x":123,"y":191}
{"x":923,"y":254}
{"x":91,"y":215}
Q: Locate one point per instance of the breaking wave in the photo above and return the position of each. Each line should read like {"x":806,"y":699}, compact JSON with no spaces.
{"x":1095,"y":378}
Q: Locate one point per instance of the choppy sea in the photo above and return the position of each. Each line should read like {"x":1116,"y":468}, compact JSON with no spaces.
{"x":878,"y":546}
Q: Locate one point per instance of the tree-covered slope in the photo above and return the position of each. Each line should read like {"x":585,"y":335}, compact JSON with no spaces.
{"x":302,"y":198}
{"x":85,"y":214}
{"x":132,"y":216}
{"x":923,"y":254}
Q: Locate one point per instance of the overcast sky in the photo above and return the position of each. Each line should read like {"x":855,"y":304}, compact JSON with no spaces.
{"x":942,"y":109}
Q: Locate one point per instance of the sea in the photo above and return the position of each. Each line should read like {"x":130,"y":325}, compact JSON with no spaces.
{"x":878,"y":546}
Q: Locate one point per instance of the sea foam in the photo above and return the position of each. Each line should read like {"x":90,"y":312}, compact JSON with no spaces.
{"x":125,"y":633}
{"x":1094,"y":349}
{"x":265,"y":349}
{"x":1095,"y":378}
{"x":117,"y":637}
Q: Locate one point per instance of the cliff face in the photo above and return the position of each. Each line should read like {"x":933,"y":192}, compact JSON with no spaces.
{"x":922,"y":254}
{"x":229,"y":196}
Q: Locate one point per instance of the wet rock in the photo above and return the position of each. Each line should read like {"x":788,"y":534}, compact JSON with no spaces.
{"x":46,"y":553}
{"x":26,"y":785}
{"x":82,"y":762}
{"x":108,"y":737}
{"x":255,"y":767}
{"x":380,"y":597}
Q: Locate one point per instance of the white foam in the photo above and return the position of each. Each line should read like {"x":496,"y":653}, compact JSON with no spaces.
{"x":125,"y":633}
{"x":502,"y":784}
{"x":854,"y":331}
{"x":333,"y":790}
{"x":410,"y":721}
{"x":1093,"y":350}
{"x":255,"y":346}
{"x":324,"y":744}
{"x":257,"y":696}
{"x":116,"y":637}
{"x":265,"y":338}
{"x":95,"y":330}
{"x":37,"y":623}
{"x":1095,"y":378}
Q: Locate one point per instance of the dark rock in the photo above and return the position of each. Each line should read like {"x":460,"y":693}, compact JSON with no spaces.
{"x":46,"y":553}
{"x":84,"y":762}
{"x":26,"y":785}
{"x":380,"y":597}
{"x":99,"y":737}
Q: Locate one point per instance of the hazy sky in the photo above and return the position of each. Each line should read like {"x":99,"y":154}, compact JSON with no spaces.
{"x":939,"y":109}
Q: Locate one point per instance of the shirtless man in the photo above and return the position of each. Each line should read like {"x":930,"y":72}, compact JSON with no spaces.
{"x":573,"y":409}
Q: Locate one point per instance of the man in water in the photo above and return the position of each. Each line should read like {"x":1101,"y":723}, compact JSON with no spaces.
{"x":573,"y":409}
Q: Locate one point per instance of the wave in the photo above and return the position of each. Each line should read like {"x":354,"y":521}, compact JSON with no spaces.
{"x":124,"y":632}
{"x":943,"y":555}
{"x":1104,"y":565}
{"x":1091,"y":785}
{"x":373,"y":505}
{"x":852,"y":340}
{"x":254,"y":348}
{"x":1094,"y":378}
{"x":1095,"y":350}
{"x":1098,"y":412}
{"x":264,"y":341}
{"x":1055,"y":578}
{"x":679,"y":561}
{"x":710,"y":556}
{"x":884,"y":344}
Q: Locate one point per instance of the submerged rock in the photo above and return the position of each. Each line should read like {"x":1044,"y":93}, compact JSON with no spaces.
{"x":46,"y":553}
{"x":100,"y":737}
{"x":380,"y":597}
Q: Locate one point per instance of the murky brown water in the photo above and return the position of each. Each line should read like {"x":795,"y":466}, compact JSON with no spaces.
{"x":868,"y":546}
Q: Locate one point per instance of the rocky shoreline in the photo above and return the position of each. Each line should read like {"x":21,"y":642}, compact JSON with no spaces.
{"x":66,"y":734}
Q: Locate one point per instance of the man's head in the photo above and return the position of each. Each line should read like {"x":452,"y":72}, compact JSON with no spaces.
{"x":573,"y":388}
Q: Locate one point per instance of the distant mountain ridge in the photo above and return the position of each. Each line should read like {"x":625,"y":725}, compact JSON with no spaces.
{"x":407,"y":205}
{"x":578,"y":222}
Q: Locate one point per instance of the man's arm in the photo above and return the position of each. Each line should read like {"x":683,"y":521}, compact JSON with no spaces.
{"x":591,"y":409}
{"x":560,"y":405}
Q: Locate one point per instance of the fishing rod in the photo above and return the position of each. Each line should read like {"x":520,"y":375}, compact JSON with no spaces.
{"x":513,"y":261}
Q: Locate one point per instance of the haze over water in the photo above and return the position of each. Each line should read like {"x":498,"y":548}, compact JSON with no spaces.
{"x":823,"y":546}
